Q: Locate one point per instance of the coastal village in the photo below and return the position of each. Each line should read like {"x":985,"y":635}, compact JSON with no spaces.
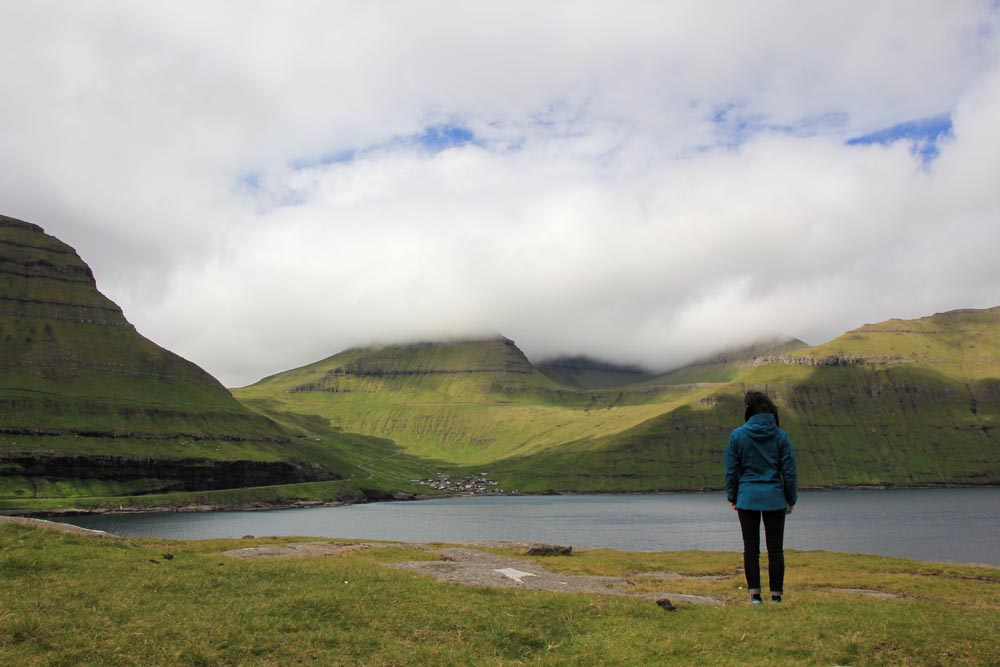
{"x":480,"y":485}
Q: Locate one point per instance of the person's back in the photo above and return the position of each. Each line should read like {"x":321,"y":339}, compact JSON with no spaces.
{"x":761,"y":484}
{"x":763,"y":451}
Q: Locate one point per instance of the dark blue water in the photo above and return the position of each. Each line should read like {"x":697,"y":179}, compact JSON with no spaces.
{"x":958,"y":525}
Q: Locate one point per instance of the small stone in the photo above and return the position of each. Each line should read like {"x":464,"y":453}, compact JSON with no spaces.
{"x":666,"y":605}
{"x":549,"y":550}
{"x":168,"y":556}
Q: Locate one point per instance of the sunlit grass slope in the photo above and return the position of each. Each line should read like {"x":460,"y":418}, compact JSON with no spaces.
{"x":872,"y":414}
{"x":894,"y":403}
{"x":468,"y":402}
{"x":728,"y":365}
{"x":72,"y":600}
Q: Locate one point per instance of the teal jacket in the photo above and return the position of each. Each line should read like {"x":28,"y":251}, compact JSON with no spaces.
{"x":760,"y":466}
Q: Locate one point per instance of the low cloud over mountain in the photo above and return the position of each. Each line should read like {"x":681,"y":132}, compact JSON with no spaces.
{"x":260,"y":187}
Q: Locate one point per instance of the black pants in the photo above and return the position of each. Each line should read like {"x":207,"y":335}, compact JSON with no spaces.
{"x":774,"y":537}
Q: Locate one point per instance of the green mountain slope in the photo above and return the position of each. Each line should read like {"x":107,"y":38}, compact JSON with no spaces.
{"x":729,"y":364}
{"x":586,"y":373}
{"x":88,"y":407}
{"x":894,"y":403}
{"x":468,"y":402}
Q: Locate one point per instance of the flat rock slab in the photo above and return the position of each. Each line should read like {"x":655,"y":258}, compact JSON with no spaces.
{"x":61,"y":527}
{"x":480,"y":568}
{"x":296,"y":550}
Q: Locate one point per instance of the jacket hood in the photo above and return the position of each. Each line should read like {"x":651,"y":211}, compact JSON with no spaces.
{"x":762,"y":426}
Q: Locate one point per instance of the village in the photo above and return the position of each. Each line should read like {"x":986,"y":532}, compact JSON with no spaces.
{"x":480,"y":485}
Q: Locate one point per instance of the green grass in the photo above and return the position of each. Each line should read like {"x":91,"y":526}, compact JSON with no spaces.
{"x":69,"y":600}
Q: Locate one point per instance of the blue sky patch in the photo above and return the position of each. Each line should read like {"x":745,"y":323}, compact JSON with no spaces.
{"x":439,"y":137}
{"x":434,"y":138}
{"x":923,"y":134}
{"x":249,"y":182}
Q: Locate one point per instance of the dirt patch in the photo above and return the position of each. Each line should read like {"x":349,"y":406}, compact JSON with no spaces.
{"x":480,"y":568}
{"x":298,"y":550}
{"x":472,"y":567}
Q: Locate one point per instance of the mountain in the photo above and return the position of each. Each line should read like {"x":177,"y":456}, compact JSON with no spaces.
{"x":91,"y":412}
{"x":89,"y":407}
{"x":726,"y":365}
{"x":586,"y":373}
{"x":896,"y":403}
{"x":460,"y":400}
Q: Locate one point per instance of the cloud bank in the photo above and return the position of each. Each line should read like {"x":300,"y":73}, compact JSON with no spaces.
{"x":260,"y":185}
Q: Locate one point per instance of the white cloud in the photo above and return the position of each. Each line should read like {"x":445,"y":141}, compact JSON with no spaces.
{"x":604,"y":207}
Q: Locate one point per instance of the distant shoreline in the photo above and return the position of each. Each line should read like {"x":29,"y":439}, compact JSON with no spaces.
{"x":260,"y":506}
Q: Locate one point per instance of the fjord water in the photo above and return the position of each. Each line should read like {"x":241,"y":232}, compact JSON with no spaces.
{"x":957,"y":525}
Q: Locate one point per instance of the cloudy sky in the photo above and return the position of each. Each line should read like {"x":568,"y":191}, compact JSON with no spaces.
{"x":263,"y":184}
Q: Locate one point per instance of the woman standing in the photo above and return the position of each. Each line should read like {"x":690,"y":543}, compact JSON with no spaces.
{"x":761,"y":485}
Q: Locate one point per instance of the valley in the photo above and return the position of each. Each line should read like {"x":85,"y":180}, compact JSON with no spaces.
{"x":94,"y":415}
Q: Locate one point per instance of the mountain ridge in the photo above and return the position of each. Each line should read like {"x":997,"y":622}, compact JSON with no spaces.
{"x":90,"y":408}
{"x":542,"y":431}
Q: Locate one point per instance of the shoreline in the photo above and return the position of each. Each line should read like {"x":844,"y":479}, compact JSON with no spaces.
{"x":260,"y":506}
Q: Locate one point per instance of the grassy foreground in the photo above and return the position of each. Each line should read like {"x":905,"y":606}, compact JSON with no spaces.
{"x":75,"y":600}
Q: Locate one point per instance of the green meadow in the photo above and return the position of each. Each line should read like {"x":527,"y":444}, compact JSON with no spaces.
{"x":80,"y":601}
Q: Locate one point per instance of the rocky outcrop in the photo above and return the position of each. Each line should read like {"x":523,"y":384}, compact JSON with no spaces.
{"x":833,"y":360}
{"x":186,"y":474}
{"x":549,"y":550}
{"x":138,"y":435}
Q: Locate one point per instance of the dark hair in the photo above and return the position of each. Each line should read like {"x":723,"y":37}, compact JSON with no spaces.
{"x":758,"y":402}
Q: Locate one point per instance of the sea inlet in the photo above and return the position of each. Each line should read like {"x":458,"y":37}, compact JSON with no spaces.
{"x":960,"y":525}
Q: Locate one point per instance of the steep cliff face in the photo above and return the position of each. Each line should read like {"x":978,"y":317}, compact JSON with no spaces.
{"x":79,"y":384}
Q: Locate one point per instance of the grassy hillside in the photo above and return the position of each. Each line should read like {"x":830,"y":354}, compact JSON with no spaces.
{"x":468,"y":403}
{"x":586,"y":373}
{"x":92,"y":413}
{"x":74,"y":600}
{"x":894,"y":403}
{"x":90,"y":408}
{"x":728,"y":365}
